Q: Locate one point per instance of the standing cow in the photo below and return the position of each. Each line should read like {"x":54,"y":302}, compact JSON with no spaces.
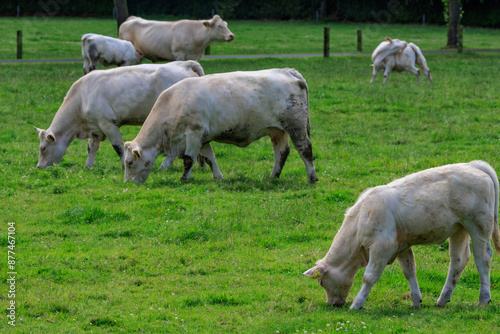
{"x":454,"y":202}
{"x":100,"y":102}
{"x":107,"y":51}
{"x":399,"y":56}
{"x":234,"y":108}
{"x":178,"y":40}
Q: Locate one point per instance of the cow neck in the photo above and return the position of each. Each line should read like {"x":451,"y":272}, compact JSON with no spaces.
{"x":346,"y":252}
{"x":67,"y":123}
{"x":149,"y":137}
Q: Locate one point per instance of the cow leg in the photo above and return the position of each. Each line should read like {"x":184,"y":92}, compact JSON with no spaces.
{"x":167,"y":162}
{"x":86,"y":66}
{"x":374,"y":74}
{"x":92,"y":148}
{"x":407,"y":262}
{"x":208,"y":156}
{"x":482,"y":251}
{"x":415,"y":71}
{"x":281,"y":147}
{"x":302,"y":143}
{"x":379,"y":257}
{"x":386,"y":74}
{"x":193,"y":147}
{"x":111,"y":131}
{"x":459,"y":256}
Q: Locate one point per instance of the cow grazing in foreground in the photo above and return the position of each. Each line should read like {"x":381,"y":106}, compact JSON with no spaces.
{"x":399,"y":56}
{"x":234,"y":108}
{"x":100,"y":102}
{"x":453,"y":201}
{"x":107,"y":51}
{"x":178,"y":40}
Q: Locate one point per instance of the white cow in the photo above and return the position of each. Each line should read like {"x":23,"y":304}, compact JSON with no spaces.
{"x":107,"y":51}
{"x":399,"y":56}
{"x":100,"y":102}
{"x":234,"y":108}
{"x":453,"y":201}
{"x":178,"y":40}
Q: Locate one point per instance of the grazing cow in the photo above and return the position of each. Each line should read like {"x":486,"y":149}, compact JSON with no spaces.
{"x":234,"y":108}
{"x":398,"y":56}
{"x":178,"y":40}
{"x":453,"y":201}
{"x":107,"y":51}
{"x":100,"y":102}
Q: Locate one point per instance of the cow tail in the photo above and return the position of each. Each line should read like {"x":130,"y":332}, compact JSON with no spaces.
{"x":486,"y":168}
{"x":303,"y":85}
{"x":420,"y":59}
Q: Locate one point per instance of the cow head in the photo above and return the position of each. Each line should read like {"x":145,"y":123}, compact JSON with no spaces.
{"x":218,"y":29}
{"x":138,"y":163}
{"x":336,"y":283}
{"x":51,"y":149}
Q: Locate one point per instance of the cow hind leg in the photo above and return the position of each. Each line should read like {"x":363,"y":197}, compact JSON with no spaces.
{"x":415,"y":71}
{"x":281,"y":147}
{"x":483,"y":252}
{"x":302,"y":143}
{"x":459,"y":256}
{"x":407,"y":262}
{"x":92,"y":148}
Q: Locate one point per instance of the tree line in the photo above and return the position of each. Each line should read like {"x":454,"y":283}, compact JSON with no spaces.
{"x":483,"y":13}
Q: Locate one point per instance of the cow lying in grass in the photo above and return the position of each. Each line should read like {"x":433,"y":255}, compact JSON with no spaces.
{"x":177,"y":40}
{"x":452,"y":202}
{"x":99,"y":103}
{"x":399,"y":56}
{"x":234,"y":108}
{"x":107,"y":51}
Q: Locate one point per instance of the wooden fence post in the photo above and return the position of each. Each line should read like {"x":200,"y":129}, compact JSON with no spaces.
{"x":326,"y":44}
{"x":19,"y":44}
{"x":460,"y":39}
{"x":360,"y":41}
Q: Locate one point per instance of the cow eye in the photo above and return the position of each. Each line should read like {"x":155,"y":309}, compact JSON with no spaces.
{"x":42,"y":149}
{"x":320,"y":282}
{"x":147,"y":163}
{"x":130,"y":162}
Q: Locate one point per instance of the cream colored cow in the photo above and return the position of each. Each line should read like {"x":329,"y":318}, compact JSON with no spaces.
{"x":234,"y":108}
{"x":176,"y":40}
{"x":399,"y":56}
{"x":99,"y":103}
{"x":454,"y":202}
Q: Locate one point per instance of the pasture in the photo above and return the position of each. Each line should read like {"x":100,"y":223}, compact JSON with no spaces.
{"x":205,"y":256}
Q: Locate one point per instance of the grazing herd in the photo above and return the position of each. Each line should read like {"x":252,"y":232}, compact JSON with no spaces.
{"x":182,"y":111}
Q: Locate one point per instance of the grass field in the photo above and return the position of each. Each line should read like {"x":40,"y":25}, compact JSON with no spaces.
{"x":59,"y":38}
{"x":94,"y":254}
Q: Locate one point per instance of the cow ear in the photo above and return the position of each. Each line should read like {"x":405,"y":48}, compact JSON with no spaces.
{"x":137,"y":153}
{"x":313,"y":272}
{"x":206,"y":23}
{"x":37,"y":129}
{"x":51,"y":138}
{"x":388,"y":39}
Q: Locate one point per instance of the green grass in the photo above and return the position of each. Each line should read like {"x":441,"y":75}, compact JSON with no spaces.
{"x":96,"y":254}
{"x":59,"y":38}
